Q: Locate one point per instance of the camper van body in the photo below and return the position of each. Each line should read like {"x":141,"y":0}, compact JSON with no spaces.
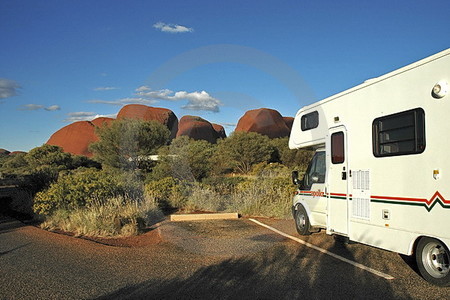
{"x":381,"y":172}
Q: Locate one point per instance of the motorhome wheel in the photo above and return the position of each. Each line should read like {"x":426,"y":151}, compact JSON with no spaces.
{"x":433,"y":259}
{"x":302,"y":221}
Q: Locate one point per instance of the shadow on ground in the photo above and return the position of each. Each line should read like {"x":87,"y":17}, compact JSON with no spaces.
{"x":276,"y":273}
{"x":8,"y":224}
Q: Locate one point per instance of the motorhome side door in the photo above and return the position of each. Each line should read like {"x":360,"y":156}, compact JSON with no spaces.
{"x":337,"y":189}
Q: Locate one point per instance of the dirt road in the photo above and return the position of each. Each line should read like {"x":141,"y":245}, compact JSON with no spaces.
{"x":199,"y":260}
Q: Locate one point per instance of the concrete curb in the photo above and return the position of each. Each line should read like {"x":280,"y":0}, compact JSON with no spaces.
{"x":211,"y":216}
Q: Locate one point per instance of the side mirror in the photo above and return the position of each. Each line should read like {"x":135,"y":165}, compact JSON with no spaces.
{"x":295,"y":179}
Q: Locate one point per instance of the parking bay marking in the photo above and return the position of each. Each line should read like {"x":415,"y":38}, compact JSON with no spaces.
{"x":351,"y":262}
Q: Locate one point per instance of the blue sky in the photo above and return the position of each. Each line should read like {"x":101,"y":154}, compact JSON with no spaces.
{"x":62,"y":61}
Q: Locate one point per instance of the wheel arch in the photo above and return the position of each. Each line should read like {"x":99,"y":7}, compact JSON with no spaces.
{"x":415,"y":242}
{"x":304,"y":204}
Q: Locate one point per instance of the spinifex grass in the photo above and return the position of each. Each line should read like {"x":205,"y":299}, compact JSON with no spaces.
{"x":116,"y":217}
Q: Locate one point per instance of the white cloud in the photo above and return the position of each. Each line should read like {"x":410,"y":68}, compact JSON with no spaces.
{"x":85,"y":116}
{"x":53,"y":108}
{"x":125,"y":101}
{"x":172,"y":28}
{"x":38,"y":107}
{"x":31,"y":107}
{"x":199,"y":101}
{"x":146,"y":92}
{"x":228,"y":124}
{"x":80,"y":116}
{"x":196,"y":100}
{"x":8,"y":88}
{"x":105,"y":88}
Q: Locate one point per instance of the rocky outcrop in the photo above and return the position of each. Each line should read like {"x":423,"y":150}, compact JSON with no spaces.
{"x":220,"y":131}
{"x":100,"y":122}
{"x":4,"y":152}
{"x":199,"y":129}
{"x":289,"y":121}
{"x":75,"y":138}
{"x":163,"y":115}
{"x":264,"y":121}
{"x":17,"y":152}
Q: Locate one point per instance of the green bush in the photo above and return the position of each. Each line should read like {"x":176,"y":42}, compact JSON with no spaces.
{"x":268,"y":197}
{"x":37,"y":169}
{"x":271,"y":170}
{"x":168,"y":192}
{"x":258,"y":196}
{"x":240,"y":152}
{"x":78,"y":188}
{"x":204,"y":198}
{"x":126,"y":143}
{"x":291,"y":158}
{"x":185,"y":159}
{"x":224,"y":185}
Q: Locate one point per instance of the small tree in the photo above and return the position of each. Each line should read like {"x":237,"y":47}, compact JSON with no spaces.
{"x":48,"y":156}
{"x":292,"y":158}
{"x":185,"y":159}
{"x":241,"y":151}
{"x":127,"y":143}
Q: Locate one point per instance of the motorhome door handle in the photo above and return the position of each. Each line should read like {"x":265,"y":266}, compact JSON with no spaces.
{"x":344,"y":175}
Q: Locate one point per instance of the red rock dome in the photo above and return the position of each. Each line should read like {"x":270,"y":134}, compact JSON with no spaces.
{"x":163,"y":115}
{"x":100,"y":122}
{"x":17,"y":152}
{"x":264,"y":121}
{"x":4,"y":152}
{"x":197,"y":129}
{"x":220,"y":131}
{"x":289,"y":121}
{"x":75,"y":138}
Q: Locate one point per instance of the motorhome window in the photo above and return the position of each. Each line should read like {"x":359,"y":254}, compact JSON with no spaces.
{"x":315,"y":172}
{"x":399,"y":134}
{"x":310,"y":121}
{"x":337,"y":148}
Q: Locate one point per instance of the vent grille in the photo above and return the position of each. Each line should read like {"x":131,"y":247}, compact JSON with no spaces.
{"x":361,"y":194}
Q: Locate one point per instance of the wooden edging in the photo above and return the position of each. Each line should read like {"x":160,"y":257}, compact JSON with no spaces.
{"x":209,"y":216}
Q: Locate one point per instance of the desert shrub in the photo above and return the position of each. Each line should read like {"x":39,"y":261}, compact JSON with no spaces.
{"x":127,"y":143}
{"x":292,"y":158}
{"x":224,"y":185}
{"x":240,"y":152}
{"x":204,"y":198}
{"x":269,"y":197}
{"x":14,"y":164}
{"x":168,"y":192}
{"x":185,"y":159}
{"x":258,"y":196}
{"x":271,"y":170}
{"x":48,"y":156}
{"x":117,"y":216}
{"x":78,"y":188}
{"x":37,"y":169}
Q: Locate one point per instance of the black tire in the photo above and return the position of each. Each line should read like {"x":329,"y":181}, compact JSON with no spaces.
{"x":433,"y":257}
{"x":302,"y":221}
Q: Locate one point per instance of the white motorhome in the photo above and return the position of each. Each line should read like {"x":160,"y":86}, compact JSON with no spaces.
{"x":381,"y":170}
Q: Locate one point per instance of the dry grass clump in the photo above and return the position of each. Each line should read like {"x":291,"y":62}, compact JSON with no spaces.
{"x":116,"y":217}
{"x":259,"y":196}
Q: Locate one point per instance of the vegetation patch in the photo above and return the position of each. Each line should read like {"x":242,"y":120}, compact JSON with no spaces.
{"x":122,"y":191}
